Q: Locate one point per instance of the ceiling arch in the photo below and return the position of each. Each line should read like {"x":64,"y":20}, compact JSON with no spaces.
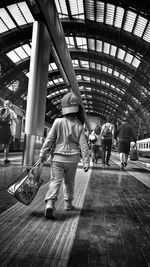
{"x":109,"y":55}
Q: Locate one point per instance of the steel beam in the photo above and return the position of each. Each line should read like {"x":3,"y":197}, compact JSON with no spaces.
{"x":46,"y":12}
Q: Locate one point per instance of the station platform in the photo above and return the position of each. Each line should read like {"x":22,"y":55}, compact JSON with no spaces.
{"x":109,"y":227}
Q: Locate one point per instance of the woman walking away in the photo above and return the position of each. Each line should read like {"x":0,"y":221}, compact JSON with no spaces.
{"x":107,"y":140}
{"x":126,"y":134}
{"x":94,"y":139}
{"x":65,"y":139}
{"x":8,"y":119}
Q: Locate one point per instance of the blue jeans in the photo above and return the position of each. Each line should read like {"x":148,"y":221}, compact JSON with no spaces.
{"x":62,"y":172}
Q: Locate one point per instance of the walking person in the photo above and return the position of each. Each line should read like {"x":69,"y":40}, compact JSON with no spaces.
{"x":107,"y":139}
{"x":65,"y":140}
{"x":125,"y":133}
{"x":94,"y":139}
{"x":7,"y":127}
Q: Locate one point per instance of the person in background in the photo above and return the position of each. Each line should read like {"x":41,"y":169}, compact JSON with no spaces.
{"x":65,"y":140}
{"x":107,"y":139}
{"x":125,"y":133}
{"x":94,"y":139}
{"x":7,"y":127}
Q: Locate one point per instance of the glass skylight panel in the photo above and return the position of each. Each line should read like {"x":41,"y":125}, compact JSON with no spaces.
{"x":136,"y":100}
{"x":63,"y":91}
{"x":113,"y":50}
{"x":51,"y":95}
{"x":142,"y":88}
{"x":3,"y":27}
{"x":103,"y":82}
{"x":60,"y":80}
{"x":55,"y":102}
{"x":61,"y":8}
{"x":75,"y":63}
{"x":136,"y":62}
{"x":78,"y":77}
{"x":91,"y":44}
{"x":116,"y":73}
{"x":56,"y":81}
{"x":17,"y":14}
{"x":92,"y":65}
{"x":119,"y":17}
{"x":13,"y":86}
{"x":27,"y":48}
{"x":90,"y":7}
{"x":140,"y":26}
{"x":127,"y":80}
{"x":122,"y":77}
{"x":24,"y":96}
{"x":146,"y":36}
{"x":70,"y":42}
{"x":98,"y":67}
{"x":86,"y":78}
{"x":26,"y":12}
{"x":110,"y":14}
{"x":121,"y":54}
{"x":81,"y":87}
{"x":13,"y":56}
{"x":110,"y":70}
{"x":20,"y":52}
{"x":143,"y":94}
{"x":52,"y":66}
{"x":100,"y":11}
{"x":104,"y":68}
{"x":128,"y":58}
{"x":98,"y":46}
{"x":130,"y":20}
{"x":76,"y":7}
{"x":81,"y":42}
{"x":49,"y":67}
{"x":6,"y":22}
{"x":84,"y":64}
{"x":106,"y":48}
{"x":50,"y":83}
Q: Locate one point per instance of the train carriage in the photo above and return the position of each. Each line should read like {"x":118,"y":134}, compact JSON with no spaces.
{"x":143,"y":147}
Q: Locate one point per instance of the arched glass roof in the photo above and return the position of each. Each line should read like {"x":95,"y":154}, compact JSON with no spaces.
{"x":108,"y":43}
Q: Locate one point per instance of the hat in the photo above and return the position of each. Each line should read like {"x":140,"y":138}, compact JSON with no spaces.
{"x":69,"y":103}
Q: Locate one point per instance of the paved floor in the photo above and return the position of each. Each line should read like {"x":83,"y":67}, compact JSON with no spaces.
{"x":114,"y":225}
{"x":110,"y":227}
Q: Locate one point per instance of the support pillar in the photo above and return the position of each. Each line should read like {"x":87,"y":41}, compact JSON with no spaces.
{"x":37,"y":89}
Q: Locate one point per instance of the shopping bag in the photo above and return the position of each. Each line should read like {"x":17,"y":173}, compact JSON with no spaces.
{"x":134,"y":155}
{"x":27,"y":184}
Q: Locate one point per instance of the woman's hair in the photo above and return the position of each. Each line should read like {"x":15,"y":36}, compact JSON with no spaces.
{"x":109,"y":118}
{"x":97,"y":129}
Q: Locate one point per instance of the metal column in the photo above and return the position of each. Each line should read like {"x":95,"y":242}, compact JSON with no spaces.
{"x":37,"y":89}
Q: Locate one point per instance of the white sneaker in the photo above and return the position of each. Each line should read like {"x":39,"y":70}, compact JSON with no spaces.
{"x":49,"y":210}
{"x":68,"y":206}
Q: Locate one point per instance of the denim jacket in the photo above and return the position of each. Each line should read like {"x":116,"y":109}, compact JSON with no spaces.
{"x":66,"y":137}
